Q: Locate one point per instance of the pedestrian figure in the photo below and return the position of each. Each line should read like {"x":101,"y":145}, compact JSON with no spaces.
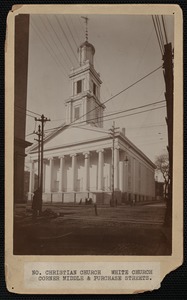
{"x":116,"y":202}
{"x":80,"y":202}
{"x":95,"y":207}
{"x":40,"y":202}
{"x":36,"y":204}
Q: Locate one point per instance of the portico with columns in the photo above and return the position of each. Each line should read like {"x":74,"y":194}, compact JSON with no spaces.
{"x":78,"y":157}
{"x":74,"y":174}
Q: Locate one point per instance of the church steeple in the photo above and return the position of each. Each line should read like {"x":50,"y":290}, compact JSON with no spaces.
{"x":84,"y":104}
{"x":86,"y":50}
{"x":86,"y":31}
{"x":86,"y":53}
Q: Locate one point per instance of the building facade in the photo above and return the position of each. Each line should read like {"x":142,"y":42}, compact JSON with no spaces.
{"x":20,"y":92}
{"x":81,"y":159}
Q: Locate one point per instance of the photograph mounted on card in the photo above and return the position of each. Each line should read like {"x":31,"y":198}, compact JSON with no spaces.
{"x":94,"y":167}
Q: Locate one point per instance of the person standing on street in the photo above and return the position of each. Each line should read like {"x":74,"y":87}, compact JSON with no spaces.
{"x":36,"y":204}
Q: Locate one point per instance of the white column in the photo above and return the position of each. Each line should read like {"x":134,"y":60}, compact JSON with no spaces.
{"x":134,"y":176}
{"x":31,"y":179}
{"x":125,"y":168}
{"x":116,"y":168}
{"x":50,"y":174}
{"x":61,"y":179}
{"x":121,"y":176}
{"x":74,"y":163}
{"x":109,"y":177}
{"x":86,"y":170}
{"x":100,"y":169}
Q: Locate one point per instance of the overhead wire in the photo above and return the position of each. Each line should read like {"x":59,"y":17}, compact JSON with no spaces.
{"x":50,"y":49}
{"x":160,"y":31}
{"x":116,"y":94}
{"x":29,"y":116}
{"x":141,"y":59}
{"x":54,"y":31}
{"x":70,"y":31}
{"x":107,"y":89}
{"x":143,"y":122}
{"x":129,"y":128}
{"x":157,"y":35}
{"x":55,"y":43}
{"x":25,"y":109}
{"x":71,"y":124}
{"x":75,"y":29}
{"x":122,"y":111}
{"x":66,"y":38}
{"x":24,"y":113}
{"x":126,"y":110}
{"x":122,"y":91}
{"x":104,"y":83}
{"x":163,"y":23}
{"x":77,"y":123}
{"x":67,"y":54}
{"x":124,"y":115}
{"x":90,"y":129}
{"x":65,"y":64}
{"x":130,"y":109}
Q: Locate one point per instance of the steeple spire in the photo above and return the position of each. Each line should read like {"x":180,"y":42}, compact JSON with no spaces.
{"x":86,"y":82}
{"x":86,"y":31}
{"x":86,"y":50}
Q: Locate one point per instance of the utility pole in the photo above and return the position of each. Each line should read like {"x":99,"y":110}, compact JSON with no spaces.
{"x":112,"y":133}
{"x":43,"y":119}
{"x":39,"y":134}
{"x":168,"y":76}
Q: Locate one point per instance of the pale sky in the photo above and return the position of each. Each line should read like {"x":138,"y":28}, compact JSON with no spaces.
{"x":126,"y":50}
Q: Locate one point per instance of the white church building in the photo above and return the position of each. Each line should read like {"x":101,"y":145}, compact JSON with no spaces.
{"x":81,"y":159}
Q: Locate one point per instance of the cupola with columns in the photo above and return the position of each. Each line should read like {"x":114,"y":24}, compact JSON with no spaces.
{"x":84,"y":105}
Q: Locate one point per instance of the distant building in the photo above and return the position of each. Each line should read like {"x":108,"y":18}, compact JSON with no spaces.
{"x":21,"y":66}
{"x":159,"y":190}
{"x":78,"y":157}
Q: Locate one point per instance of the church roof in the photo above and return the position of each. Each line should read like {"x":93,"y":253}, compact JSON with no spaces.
{"x":68,"y":137}
{"x":74,"y":134}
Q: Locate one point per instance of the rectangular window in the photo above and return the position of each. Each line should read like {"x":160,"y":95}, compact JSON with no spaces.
{"x":77,"y":113}
{"x":94,"y":89}
{"x":79,"y":86}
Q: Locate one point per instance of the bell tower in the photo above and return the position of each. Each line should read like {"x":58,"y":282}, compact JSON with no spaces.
{"x":84,"y":105}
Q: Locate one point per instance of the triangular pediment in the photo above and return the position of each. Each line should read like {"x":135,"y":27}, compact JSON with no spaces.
{"x":69,"y":136}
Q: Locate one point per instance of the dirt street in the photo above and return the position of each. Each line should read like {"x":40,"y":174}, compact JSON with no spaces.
{"x":77,"y":230}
